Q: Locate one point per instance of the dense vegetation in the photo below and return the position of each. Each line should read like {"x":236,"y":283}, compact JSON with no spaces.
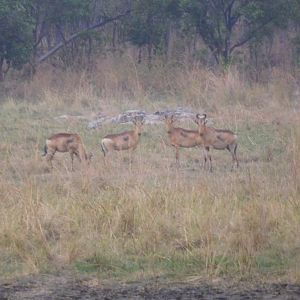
{"x":73,"y":33}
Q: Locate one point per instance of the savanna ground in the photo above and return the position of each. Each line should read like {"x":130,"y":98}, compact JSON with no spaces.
{"x":141,"y":219}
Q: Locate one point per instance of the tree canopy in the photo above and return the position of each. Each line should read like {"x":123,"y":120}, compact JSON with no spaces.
{"x":15,"y":34}
{"x":36,"y":30}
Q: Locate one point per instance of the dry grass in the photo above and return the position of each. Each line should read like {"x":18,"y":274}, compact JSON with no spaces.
{"x":147,"y":217}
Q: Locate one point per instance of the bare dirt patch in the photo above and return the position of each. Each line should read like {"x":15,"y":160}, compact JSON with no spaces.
{"x":67,"y":285}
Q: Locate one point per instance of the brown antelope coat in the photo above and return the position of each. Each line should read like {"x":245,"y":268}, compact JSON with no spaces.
{"x":219,"y":139}
{"x":180,"y":137}
{"x":66,"y":142}
{"x":125,"y":140}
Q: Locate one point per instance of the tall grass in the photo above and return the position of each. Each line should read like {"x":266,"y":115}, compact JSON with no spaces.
{"x":146,"y":217}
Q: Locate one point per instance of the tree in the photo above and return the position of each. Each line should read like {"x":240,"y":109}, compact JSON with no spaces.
{"x":225,"y":25}
{"x":15,"y":35}
{"x":58,"y":23}
{"x":149,"y":23}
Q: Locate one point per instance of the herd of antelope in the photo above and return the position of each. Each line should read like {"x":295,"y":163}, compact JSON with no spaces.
{"x":205,"y":137}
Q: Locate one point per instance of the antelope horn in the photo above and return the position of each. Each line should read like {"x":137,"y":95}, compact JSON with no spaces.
{"x":203,"y":116}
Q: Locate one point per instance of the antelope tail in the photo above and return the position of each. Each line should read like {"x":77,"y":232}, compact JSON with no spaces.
{"x":45,"y":150}
{"x":234,"y":151}
{"x":103,"y":148}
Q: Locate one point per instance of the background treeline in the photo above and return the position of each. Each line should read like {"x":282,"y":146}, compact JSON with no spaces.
{"x":251,"y":34}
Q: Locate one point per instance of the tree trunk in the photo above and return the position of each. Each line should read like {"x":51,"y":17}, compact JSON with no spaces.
{"x":74,"y":36}
{"x":149,"y":54}
{"x":1,"y":69}
{"x":140,"y":55}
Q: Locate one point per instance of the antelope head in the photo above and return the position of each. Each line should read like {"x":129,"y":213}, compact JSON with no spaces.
{"x":169,"y":120}
{"x":138,"y":121}
{"x":201,"y":119}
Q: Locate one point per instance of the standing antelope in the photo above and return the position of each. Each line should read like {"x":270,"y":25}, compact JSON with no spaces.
{"x":180,"y":137}
{"x":219,"y":139}
{"x":66,"y":142}
{"x":125,"y":140}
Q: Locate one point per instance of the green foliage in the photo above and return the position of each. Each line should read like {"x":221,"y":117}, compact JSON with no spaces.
{"x":218,"y":22}
{"x":150,"y":21}
{"x":65,"y":11}
{"x":15,"y":32}
{"x":32,"y":28}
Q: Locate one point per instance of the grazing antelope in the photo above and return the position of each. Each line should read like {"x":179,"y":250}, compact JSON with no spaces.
{"x":180,"y":137}
{"x":66,"y":142}
{"x":125,"y":140}
{"x":219,"y":139}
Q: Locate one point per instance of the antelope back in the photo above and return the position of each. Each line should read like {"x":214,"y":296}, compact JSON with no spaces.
{"x":62,"y":141}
